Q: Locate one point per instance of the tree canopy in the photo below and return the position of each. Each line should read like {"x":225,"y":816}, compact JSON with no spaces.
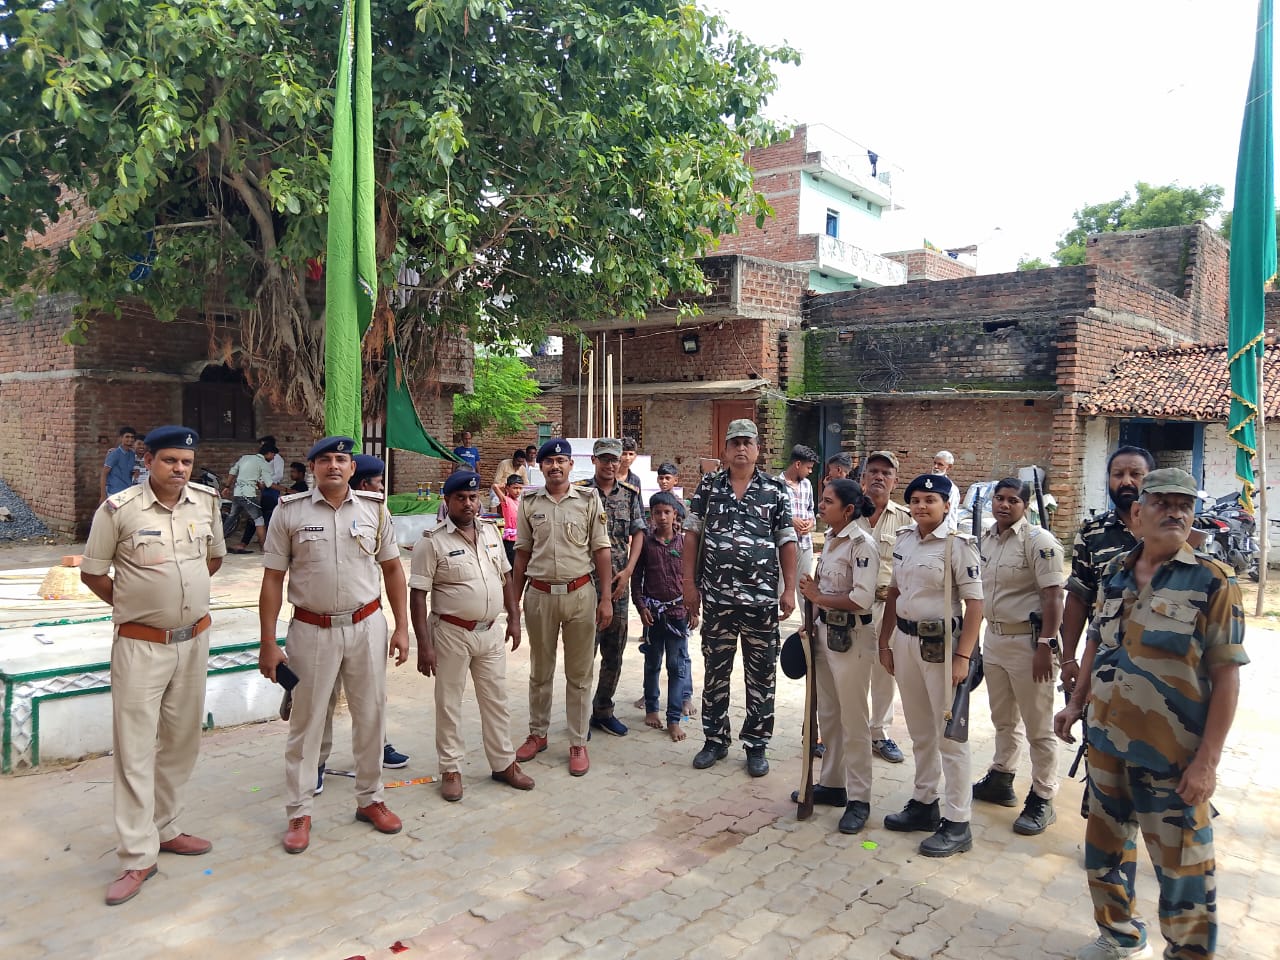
{"x":538,"y":163}
{"x":1147,"y":206}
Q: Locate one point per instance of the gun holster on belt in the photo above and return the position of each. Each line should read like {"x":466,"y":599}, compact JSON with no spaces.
{"x":839,"y":632}
{"x":1037,"y":623}
{"x":932,"y":635}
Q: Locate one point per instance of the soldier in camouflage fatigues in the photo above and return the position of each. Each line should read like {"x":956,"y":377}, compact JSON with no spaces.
{"x":1166,"y":642}
{"x":738,"y":545}
{"x":625,"y":516}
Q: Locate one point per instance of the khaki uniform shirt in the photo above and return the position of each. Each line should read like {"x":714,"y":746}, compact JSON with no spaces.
{"x":563,"y":537}
{"x":1016,"y":566}
{"x":918,"y":572}
{"x":849,"y":564}
{"x":332,"y":555}
{"x":461,"y":580}
{"x":160,"y":555}
{"x":885,"y":534}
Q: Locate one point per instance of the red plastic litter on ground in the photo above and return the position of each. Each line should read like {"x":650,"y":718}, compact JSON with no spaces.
{"x":398,"y":947}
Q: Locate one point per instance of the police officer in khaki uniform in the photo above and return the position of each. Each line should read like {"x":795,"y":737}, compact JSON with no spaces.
{"x":332,"y":540}
{"x":463,"y":568}
{"x":913,"y":649}
{"x":1022,"y":580}
{"x":879,"y":477}
{"x":561,"y":534}
{"x":165,"y":539}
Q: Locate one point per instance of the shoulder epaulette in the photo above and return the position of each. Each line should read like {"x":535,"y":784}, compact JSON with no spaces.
{"x":907,"y":528}
{"x":290,"y":497}
{"x":1224,"y":568}
{"x":370,"y":495}
{"x":118,"y":500}
{"x":628,"y":486}
{"x":582,"y":483}
{"x":963,"y":535}
{"x":202,"y":488}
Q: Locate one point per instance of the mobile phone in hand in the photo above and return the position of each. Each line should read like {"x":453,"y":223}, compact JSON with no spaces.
{"x":286,"y":677}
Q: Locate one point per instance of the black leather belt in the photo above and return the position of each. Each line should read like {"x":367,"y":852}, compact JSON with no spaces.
{"x":862,"y":618}
{"x":912,"y":627}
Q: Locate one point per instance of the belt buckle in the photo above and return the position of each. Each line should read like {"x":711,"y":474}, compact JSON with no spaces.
{"x":181,"y":635}
{"x":341,"y":620}
{"x":558,"y":589}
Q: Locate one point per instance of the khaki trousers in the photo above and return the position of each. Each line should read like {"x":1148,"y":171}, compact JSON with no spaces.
{"x":1017,"y":701}
{"x":942,"y":765}
{"x":319,"y":656}
{"x":483,"y":654}
{"x":547,"y":616}
{"x":157,"y":703}
{"x":883,"y":687}
{"x":843,"y":680}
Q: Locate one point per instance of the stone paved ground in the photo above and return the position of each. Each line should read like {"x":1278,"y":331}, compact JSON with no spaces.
{"x":643,"y":858}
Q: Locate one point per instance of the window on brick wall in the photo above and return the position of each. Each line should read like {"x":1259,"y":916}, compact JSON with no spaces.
{"x":833,"y":223}
{"x":633,"y":424}
{"x":219,"y":405}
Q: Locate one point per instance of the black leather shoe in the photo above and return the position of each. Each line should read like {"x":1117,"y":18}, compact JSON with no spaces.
{"x":825,"y":796}
{"x":914,"y":816}
{"x":709,"y":755}
{"x":855,"y":816}
{"x":757,"y":765}
{"x":996,"y":787}
{"x":950,"y":839}
{"x":1036,"y":816}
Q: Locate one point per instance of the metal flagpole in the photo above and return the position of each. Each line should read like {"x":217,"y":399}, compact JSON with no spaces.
{"x":1261,"y":473}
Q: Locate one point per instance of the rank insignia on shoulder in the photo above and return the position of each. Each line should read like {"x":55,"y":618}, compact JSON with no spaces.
{"x":863,"y":561}
{"x":628,"y":486}
{"x":972,"y":572}
{"x":1049,"y":554}
{"x":604,"y":520}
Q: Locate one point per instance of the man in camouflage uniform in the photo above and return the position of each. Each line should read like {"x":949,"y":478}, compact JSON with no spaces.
{"x":1099,"y":541}
{"x":1161,"y":677}
{"x":739,"y":541}
{"x":625,"y":515}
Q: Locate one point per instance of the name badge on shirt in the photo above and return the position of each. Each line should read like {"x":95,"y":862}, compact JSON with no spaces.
{"x":313,"y":529}
{"x":150,"y":533}
{"x":455,"y":553}
{"x":539,"y":516}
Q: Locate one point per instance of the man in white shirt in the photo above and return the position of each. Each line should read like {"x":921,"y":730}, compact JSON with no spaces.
{"x":249,"y":476}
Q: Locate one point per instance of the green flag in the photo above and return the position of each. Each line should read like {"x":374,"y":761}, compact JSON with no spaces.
{"x":1253,"y":253}
{"x":351,"y":276}
{"x":404,"y":426}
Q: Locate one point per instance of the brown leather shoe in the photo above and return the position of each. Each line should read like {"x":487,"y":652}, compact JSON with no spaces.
{"x":185,"y":845}
{"x":126,"y":886}
{"x":298,"y":837}
{"x":383,"y":820}
{"x":451,"y":786}
{"x":579,"y":763}
{"x":513,"y":776}
{"x":532,"y":746}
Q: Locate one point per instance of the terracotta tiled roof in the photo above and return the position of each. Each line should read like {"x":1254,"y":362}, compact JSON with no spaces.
{"x":1187,"y":382}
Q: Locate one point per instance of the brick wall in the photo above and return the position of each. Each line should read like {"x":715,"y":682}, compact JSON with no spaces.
{"x":730,"y":349}
{"x":777,"y":176}
{"x":930,"y":265}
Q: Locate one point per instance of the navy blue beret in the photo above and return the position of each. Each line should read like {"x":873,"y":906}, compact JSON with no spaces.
{"x":464,"y":481}
{"x":162,"y":438}
{"x":791,"y":657}
{"x":929,"y":483}
{"x":368,"y":466}
{"x":331,"y":445}
{"x":555,"y":447}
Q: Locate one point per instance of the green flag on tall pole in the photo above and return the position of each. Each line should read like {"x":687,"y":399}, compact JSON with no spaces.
{"x":1253,"y":254}
{"x":351,"y":275}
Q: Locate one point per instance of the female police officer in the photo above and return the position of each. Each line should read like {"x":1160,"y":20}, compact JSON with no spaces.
{"x":843,"y":590}
{"x":913,"y":640}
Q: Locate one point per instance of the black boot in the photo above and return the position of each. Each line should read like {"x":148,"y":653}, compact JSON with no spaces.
{"x":1036,"y":816}
{"x":951,"y":838}
{"x":709,"y":754}
{"x":757,"y":765}
{"x":914,"y":816}
{"x":996,"y":787}
{"x":855,"y":816}
{"x":825,"y":796}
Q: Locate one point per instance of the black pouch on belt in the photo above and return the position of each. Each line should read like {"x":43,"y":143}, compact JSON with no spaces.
{"x":839,"y":633}
{"x":1036,"y":622}
{"x":931,"y":634}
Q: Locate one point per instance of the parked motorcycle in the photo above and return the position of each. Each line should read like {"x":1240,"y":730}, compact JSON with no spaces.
{"x":1232,"y":533}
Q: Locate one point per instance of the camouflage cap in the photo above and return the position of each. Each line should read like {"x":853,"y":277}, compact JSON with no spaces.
{"x":607,"y":447}
{"x":1170,"y":480}
{"x":884,"y":455}
{"x":741,"y":428}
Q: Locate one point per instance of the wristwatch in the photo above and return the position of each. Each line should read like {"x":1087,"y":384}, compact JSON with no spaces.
{"x":1050,"y":642}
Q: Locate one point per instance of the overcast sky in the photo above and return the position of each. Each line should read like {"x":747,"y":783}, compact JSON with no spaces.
{"x":1012,"y":115}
